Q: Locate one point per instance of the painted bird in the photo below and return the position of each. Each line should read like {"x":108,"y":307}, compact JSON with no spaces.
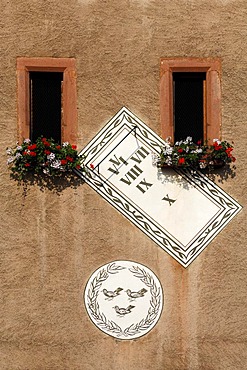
{"x":112,"y":294}
{"x":138,"y":294}
{"x":123,"y":311}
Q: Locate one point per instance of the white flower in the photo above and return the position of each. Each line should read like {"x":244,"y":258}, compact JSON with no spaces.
{"x":189,"y":139}
{"x":66,"y":143}
{"x":51,"y":156}
{"x":155,"y":159}
{"x":169,"y":150}
{"x":217,"y":141}
{"x":27,"y":141}
{"x":202,"y":165}
{"x":199,"y":150}
{"x":18,"y":155}
{"x":169,"y":161}
{"x":56,"y":164}
{"x":19,"y":147}
{"x":46,"y":171}
{"x":10,"y":160}
{"x":9,"y":151}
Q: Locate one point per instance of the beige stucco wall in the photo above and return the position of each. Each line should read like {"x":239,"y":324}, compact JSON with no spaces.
{"x":51,"y":242}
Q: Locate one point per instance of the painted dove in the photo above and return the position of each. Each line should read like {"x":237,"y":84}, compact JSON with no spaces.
{"x":123,"y":311}
{"x":138,"y":294}
{"x":112,"y":294}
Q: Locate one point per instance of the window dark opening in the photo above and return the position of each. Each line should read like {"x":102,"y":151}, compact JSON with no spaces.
{"x":189,"y":105}
{"x":46,"y":105}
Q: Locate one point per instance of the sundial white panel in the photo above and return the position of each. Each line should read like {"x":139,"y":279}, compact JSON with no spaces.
{"x":181,"y":211}
{"x":124,"y":299}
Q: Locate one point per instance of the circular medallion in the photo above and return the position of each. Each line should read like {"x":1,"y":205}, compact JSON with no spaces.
{"x":124,"y":299}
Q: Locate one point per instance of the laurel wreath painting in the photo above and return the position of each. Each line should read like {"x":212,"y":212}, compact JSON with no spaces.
{"x":109,"y":325}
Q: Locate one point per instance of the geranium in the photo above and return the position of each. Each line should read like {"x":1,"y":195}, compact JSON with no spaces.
{"x":32,"y":147}
{"x":221,"y":151}
{"x":43,"y":156}
{"x":181,"y":161}
{"x":186,"y":153}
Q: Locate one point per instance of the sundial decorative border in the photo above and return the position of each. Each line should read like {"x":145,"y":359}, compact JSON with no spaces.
{"x":124,"y":299}
{"x":125,"y":129}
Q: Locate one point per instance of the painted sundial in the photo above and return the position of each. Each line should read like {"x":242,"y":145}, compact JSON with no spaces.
{"x":179,"y":210}
{"x":124,"y":299}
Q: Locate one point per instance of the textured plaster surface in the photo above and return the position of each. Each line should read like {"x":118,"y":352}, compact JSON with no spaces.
{"x":52,"y":242}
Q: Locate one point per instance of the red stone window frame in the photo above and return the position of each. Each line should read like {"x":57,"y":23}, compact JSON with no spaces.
{"x":69,"y":95}
{"x":212,"y":100}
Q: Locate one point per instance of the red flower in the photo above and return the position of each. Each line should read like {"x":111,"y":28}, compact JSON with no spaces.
{"x":78,"y":166}
{"x":217,"y":146}
{"x":228,"y":152}
{"x":180,"y":150}
{"x":63,"y":162}
{"x":233,"y":159}
{"x":70,"y":159}
{"x":73,"y":147}
{"x":32,"y":154}
{"x":181,"y":160}
{"x":46,"y":143}
{"x":58,"y":147}
{"x":92,"y":166}
{"x":32,"y":147}
{"x":27,"y":165}
{"x":25,"y":153}
{"x":199,"y":142}
{"x":47,"y":152}
{"x":43,"y":139}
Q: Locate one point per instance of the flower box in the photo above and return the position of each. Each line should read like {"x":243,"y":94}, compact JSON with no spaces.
{"x":43,"y":156}
{"x":186,"y":153}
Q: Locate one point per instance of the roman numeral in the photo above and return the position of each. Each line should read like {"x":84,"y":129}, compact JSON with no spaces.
{"x":139,"y":155}
{"x":169,"y":199}
{"x":131,"y":175}
{"x":116,"y":164}
{"x":144,"y":183}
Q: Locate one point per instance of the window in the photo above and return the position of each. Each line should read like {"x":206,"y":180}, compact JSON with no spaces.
{"x":190,"y":98}
{"x":47,"y":98}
